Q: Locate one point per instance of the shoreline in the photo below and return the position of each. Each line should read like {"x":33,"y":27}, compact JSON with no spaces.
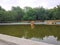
{"x":21,"y":41}
{"x":26,"y":24}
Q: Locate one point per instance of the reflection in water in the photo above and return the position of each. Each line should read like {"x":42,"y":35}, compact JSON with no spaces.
{"x":44,"y":34}
{"x":49,"y":39}
{"x":39,"y":33}
{"x":43,"y":37}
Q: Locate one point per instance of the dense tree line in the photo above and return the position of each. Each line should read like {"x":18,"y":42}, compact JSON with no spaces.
{"x":17,"y":14}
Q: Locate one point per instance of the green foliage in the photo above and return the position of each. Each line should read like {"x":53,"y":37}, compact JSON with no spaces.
{"x":29,"y":14}
{"x":41,"y":13}
{"x":18,"y":14}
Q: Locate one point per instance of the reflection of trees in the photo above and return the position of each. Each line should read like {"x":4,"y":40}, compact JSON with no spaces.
{"x":39,"y":31}
{"x":42,"y":31}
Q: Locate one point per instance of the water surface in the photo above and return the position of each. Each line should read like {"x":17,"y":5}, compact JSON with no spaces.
{"x":42,"y":33}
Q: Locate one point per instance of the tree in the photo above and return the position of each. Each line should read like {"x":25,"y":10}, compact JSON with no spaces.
{"x":10,"y":16}
{"x":56,"y":13}
{"x":19,"y":12}
{"x":2,"y":9}
{"x":29,"y":14}
{"x":2,"y":14}
{"x":41,"y":13}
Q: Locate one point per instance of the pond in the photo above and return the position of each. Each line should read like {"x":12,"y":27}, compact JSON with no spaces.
{"x":42,"y":33}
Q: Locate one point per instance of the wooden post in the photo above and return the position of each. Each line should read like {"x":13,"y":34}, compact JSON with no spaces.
{"x":32,"y":24}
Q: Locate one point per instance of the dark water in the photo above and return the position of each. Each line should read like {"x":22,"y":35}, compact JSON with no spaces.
{"x":52,"y":37}
{"x":42,"y":33}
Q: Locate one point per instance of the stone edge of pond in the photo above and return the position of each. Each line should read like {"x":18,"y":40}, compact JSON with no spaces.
{"x":21,"y":41}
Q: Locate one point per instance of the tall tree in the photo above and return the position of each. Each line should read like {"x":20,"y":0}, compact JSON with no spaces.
{"x":41,"y":13}
{"x":19,"y":12}
{"x":29,"y":14}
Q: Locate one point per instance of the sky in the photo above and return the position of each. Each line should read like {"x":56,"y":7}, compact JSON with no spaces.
{"x":7,"y":4}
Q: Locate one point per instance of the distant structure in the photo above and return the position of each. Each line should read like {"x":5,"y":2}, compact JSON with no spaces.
{"x":52,"y":21}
